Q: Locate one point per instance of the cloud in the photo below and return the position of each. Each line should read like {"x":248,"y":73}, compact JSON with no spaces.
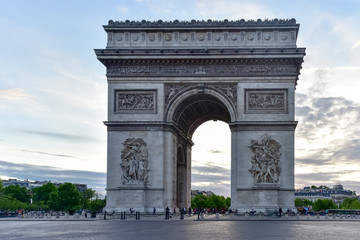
{"x":211,"y":177}
{"x":356,"y":45}
{"x":14,"y":94}
{"x":215,"y":151}
{"x":64,"y":136}
{"x":95,"y":180}
{"x":123,"y":9}
{"x":225,"y":9}
{"x":18,"y":100}
{"x":45,"y":153}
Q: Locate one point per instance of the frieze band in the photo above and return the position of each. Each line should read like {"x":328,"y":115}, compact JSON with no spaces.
{"x":204,"y":70}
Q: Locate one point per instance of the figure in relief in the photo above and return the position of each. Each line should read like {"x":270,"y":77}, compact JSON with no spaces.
{"x":172,"y":92}
{"x":265,"y":162}
{"x":134,"y":161}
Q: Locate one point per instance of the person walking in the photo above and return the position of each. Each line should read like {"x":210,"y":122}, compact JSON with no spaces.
{"x":280,"y":212}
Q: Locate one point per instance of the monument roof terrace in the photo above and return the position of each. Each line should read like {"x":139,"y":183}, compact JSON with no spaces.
{"x":203,"y":23}
{"x":202,"y":34}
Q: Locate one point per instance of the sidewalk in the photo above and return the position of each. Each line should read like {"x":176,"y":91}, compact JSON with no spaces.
{"x":177,"y":217}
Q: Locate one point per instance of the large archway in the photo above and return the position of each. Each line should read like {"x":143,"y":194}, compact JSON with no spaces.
{"x":192,"y":111}
{"x":211,"y":158}
{"x":167,"y":78}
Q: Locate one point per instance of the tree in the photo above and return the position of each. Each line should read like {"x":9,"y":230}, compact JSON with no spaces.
{"x":199,"y":201}
{"x":97,"y":204}
{"x":324,"y":204}
{"x":213,"y":201}
{"x":42,"y":194}
{"x":86,"y":197}
{"x":54,"y":203}
{"x":350,"y":203}
{"x":68,"y":197}
{"x":299,"y":202}
{"x":228,"y":202}
{"x":303,"y":202}
{"x":19,"y":193}
{"x":11,"y":204}
{"x":1,"y":189}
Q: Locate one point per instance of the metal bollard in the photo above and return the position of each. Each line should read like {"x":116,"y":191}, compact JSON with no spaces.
{"x":105,"y":215}
{"x":182,"y":215}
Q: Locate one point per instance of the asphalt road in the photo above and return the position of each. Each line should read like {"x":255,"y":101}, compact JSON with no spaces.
{"x":179,"y":229}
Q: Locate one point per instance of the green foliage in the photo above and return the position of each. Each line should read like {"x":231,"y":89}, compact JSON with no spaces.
{"x":86,"y":197}
{"x":303,"y":202}
{"x":323,"y":204}
{"x":19,"y":193}
{"x":213,"y":201}
{"x":228,"y":202}
{"x":313,"y":187}
{"x":11,"y":204}
{"x":42,"y":194}
{"x":68,"y":198}
{"x":48,"y":197}
{"x":299,"y":202}
{"x":1,"y":187}
{"x":53,"y":202}
{"x":350,"y":203}
{"x":199,"y":201}
{"x":97,"y":205}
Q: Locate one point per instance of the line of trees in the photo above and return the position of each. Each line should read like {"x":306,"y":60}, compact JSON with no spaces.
{"x":48,"y":197}
{"x":212,"y":201}
{"x":324,"y":204}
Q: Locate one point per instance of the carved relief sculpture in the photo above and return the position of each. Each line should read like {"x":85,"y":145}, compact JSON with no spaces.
{"x":266,"y":100}
{"x":265,"y":166}
{"x":135,"y":100}
{"x":231,"y":93}
{"x":134,"y":161}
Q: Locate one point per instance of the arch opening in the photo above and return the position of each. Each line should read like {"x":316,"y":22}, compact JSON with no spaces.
{"x":188,"y":116}
{"x":197,"y":109}
{"x":211,"y":158}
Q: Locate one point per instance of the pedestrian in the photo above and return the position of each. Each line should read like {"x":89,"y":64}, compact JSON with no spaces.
{"x":174,"y":210}
{"x":280,"y":211}
{"x":154,"y":211}
{"x":167,"y":213}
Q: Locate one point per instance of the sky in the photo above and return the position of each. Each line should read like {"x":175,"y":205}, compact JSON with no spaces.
{"x":53,"y":90}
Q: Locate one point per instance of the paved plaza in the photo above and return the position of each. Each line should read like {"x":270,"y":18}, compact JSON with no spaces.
{"x":156,"y":227}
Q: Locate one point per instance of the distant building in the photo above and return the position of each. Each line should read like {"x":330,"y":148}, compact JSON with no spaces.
{"x":33,"y":184}
{"x":337,"y":193}
{"x":198,"y":192}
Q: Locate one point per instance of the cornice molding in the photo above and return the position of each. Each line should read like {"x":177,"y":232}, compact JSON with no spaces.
{"x":263,"y":126}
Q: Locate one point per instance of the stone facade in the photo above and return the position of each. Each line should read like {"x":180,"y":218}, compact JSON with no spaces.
{"x":167,"y":78}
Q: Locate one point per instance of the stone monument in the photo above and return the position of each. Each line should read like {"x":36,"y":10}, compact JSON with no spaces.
{"x":167,"y":78}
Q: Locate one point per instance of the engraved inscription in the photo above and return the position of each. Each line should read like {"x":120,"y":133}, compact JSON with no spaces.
{"x":135,"y":100}
{"x":266,"y":100}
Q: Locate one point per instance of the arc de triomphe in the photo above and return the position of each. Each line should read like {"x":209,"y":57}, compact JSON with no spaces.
{"x":167,"y":78}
